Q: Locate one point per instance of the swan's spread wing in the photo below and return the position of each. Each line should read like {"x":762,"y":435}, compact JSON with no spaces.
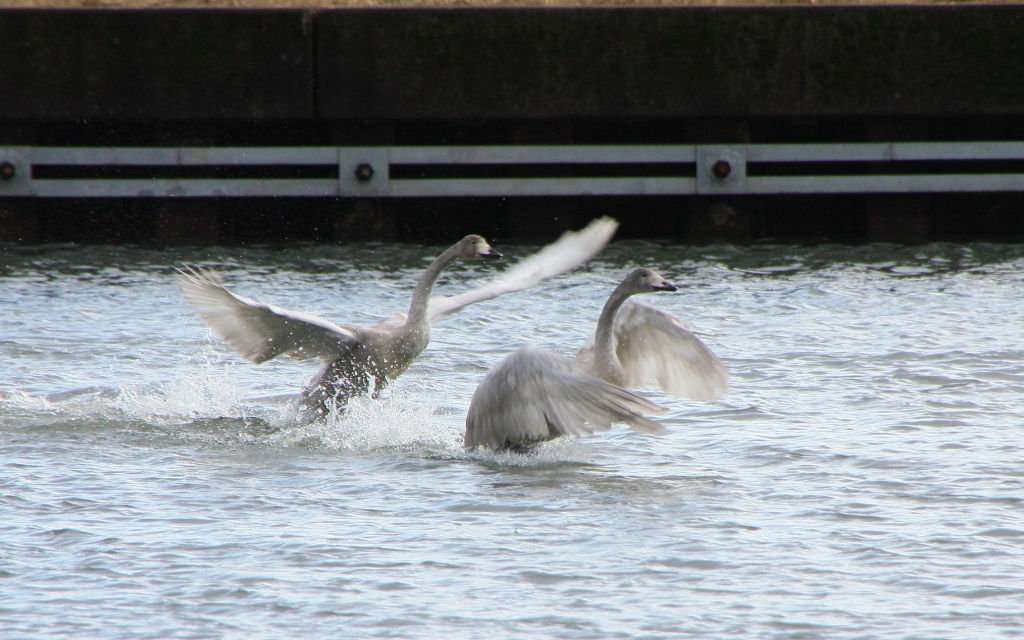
{"x":656,"y":349}
{"x":568,"y":252}
{"x":535,"y":395}
{"x":257,"y":331}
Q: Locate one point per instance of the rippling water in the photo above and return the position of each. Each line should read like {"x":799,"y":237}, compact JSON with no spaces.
{"x":864,"y":477}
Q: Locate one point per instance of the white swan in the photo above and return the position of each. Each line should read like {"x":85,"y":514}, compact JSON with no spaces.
{"x":636,"y":345}
{"x":355,"y":356}
{"x":534,"y":395}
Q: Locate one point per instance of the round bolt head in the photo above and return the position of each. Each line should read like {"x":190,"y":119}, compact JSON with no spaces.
{"x":364,"y":172}
{"x":6,"y":170}
{"x":721,"y":169}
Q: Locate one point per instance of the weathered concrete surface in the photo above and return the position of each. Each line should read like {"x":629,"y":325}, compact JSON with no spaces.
{"x":155,"y":65}
{"x":532,"y":63}
{"x":671,"y":62}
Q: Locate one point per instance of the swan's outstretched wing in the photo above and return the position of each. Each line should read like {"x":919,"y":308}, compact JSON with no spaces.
{"x":535,"y":395}
{"x":656,"y":349}
{"x":568,"y":252}
{"x":258,"y":331}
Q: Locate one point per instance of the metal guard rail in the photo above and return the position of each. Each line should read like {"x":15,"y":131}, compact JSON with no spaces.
{"x":511,"y":170}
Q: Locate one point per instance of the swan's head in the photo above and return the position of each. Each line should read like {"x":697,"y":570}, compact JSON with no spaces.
{"x":473,"y":247}
{"x":646,"y":281}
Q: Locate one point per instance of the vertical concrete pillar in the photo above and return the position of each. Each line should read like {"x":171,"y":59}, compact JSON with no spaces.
{"x":17,"y":135}
{"x":186,"y":221}
{"x":896,"y":130}
{"x":362,"y":219}
{"x":541,"y":132}
{"x":711,"y":219}
{"x":375,"y":134}
{"x":541,"y":218}
{"x":898,"y":217}
{"x":365,"y":219}
{"x":19,"y":222}
{"x":719,"y":131}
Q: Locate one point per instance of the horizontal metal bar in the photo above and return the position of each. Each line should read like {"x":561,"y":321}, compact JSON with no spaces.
{"x":398,"y":189}
{"x":543,"y":154}
{"x":885,"y":184}
{"x":861,"y":152}
{"x":322,"y":155}
{"x":182,"y":188}
{"x":526,"y":187}
{"x":622,"y":171}
{"x":817,"y":152}
{"x":100,"y":155}
{"x":527,"y":154}
{"x":259,"y":155}
{"x":958,"y":150}
{"x":180,"y":156}
{"x":543,"y":187}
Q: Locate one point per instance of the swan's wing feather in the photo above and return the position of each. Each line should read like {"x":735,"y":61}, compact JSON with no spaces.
{"x":258,"y":331}
{"x":393,"y":322}
{"x":533,"y":395}
{"x":656,"y":349}
{"x":568,"y":252}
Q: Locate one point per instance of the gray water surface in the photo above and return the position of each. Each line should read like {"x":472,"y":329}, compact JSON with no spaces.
{"x":863,"y":478}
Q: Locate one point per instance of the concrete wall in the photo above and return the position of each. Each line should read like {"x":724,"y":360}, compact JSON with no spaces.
{"x":513,"y":63}
{"x":162,"y":65}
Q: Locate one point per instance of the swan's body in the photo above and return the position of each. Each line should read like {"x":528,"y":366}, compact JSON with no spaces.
{"x":534,"y":395}
{"x":359,"y":359}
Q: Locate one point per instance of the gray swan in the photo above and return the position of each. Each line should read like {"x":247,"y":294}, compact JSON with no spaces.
{"x":534,"y":395}
{"x":360,"y":359}
{"x":636,"y":345}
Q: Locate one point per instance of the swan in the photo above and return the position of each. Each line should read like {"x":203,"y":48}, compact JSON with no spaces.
{"x":355,"y":357}
{"x":534,"y":395}
{"x":636,"y":345}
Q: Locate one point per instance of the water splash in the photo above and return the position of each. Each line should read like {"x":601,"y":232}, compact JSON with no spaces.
{"x":189,"y":396}
{"x":208,"y":392}
{"x":554,"y":452}
{"x":398,"y":421}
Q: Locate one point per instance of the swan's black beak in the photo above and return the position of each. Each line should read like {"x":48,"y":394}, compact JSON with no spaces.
{"x":491,"y":253}
{"x":664,"y":286}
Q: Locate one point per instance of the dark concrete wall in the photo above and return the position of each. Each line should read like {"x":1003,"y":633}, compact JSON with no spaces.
{"x":680,"y":62}
{"x":163,"y":65}
{"x":672,"y":62}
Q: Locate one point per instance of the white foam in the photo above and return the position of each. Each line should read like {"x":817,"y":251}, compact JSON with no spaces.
{"x":408,"y":417}
{"x":203,"y":394}
{"x":557,"y":451}
{"x":397,"y":421}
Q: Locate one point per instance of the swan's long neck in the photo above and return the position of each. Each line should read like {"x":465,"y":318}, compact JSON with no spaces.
{"x":421,"y":295}
{"x":606,"y":363}
{"x":397,"y":351}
